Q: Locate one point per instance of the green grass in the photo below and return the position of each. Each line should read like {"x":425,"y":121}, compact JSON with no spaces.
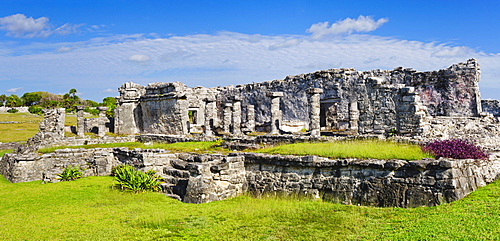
{"x":2,"y":152}
{"x":25,"y":126}
{"x":202,"y":146}
{"x":364,"y":149}
{"x":88,"y":209}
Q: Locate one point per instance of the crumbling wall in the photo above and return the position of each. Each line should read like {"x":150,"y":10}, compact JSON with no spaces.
{"x":391,"y":183}
{"x":363,"y":102}
{"x":491,"y":107}
{"x":31,"y":167}
{"x":51,"y":130}
{"x":484,"y":131}
{"x":200,"y":178}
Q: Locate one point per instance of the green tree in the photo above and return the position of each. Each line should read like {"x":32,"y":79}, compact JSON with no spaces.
{"x":3,"y":99}
{"x":30,"y":99}
{"x":111,"y":103}
{"x":14,"y":101}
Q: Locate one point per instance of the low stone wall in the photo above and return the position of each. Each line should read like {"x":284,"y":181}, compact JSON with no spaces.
{"x":391,"y":183}
{"x":23,"y":109}
{"x":32,"y":167}
{"x":200,"y":178}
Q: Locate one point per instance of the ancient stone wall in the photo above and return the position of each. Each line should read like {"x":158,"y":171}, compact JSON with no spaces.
{"x":31,"y":167}
{"x":491,"y":107}
{"x":484,"y":131}
{"x":199,"y":178}
{"x":369,"y":182}
{"x":362,"y":102}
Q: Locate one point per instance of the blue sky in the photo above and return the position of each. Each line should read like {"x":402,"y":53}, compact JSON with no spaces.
{"x":95,"y":46}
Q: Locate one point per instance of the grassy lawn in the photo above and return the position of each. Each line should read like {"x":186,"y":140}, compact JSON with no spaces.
{"x":88,"y":209}
{"x":373,"y":149}
{"x":24,"y":126}
{"x":343,"y":149}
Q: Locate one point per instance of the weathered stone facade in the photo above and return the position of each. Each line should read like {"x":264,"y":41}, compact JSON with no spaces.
{"x":361,"y":102}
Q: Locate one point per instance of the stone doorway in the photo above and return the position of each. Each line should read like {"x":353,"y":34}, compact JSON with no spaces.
{"x":329,"y":114}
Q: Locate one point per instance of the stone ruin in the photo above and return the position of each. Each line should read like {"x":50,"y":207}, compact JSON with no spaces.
{"x":336,"y":103}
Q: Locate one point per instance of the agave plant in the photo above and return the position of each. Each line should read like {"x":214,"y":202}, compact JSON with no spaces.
{"x":70,"y":173}
{"x":128,"y":178}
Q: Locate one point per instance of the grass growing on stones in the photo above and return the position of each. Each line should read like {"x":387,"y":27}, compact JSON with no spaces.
{"x":365,"y":149}
{"x":88,"y":209}
{"x":200,"y":146}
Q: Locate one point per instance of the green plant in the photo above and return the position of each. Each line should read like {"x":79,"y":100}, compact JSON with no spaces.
{"x":33,"y":109}
{"x":128,"y":178}
{"x":70,"y":173}
{"x":12,"y":111}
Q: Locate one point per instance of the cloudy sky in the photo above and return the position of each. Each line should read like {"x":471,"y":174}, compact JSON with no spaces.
{"x":95,"y":46}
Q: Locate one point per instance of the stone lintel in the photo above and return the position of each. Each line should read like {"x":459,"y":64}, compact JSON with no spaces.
{"x":102,"y":108}
{"x":313,"y":91}
{"x":274,"y":94}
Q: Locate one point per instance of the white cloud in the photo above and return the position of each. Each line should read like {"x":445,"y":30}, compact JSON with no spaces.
{"x":223,"y":59}
{"x":18,"y":25}
{"x":139,"y":58}
{"x":362,"y":24}
{"x":63,"y":49}
{"x":286,"y":44}
{"x":14,"y":90}
{"x":109,"y":90}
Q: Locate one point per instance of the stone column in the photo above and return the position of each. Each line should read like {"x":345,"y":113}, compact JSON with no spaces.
{"x":353,"y":116}
{"x":101,"y":128}
{"x":227,"y":117}
{"x":209,"y":115}
{"x":80,"y":121}
{"x":237,"y":115}
{"x":250,"y":118}
{"x":275,"y":112}
{"x":314,"y":113}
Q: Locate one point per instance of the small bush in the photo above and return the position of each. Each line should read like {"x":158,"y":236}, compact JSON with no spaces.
{"x":128,"y":178}
{"x":12,"y":111}
{"x":35,"y":110}
{"x":70,"y":173}
{"x":456,"y":148}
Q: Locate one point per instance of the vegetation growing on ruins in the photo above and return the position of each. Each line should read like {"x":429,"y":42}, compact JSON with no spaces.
{"x":88,"y":209}
{"x":70,"y":173}
{"x":199,"y":146}
{"x":129,"y":179}
{"x":370,"y":149}
{"x":456,"y":148}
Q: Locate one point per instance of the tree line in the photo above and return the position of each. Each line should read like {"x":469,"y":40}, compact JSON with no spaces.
{"x":37,"y":101}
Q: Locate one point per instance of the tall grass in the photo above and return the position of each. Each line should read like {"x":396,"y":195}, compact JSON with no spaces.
{"x":88,"y":209}
{"x":364,"y":149}
{"x":201,"y":146}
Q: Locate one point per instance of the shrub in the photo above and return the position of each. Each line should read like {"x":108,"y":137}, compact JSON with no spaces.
{"x":128,"y":178}
{"x":70,"y":173}
{"x":35,"y":110}
{"x":12,"y":111}
{"x":456,"y":148}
